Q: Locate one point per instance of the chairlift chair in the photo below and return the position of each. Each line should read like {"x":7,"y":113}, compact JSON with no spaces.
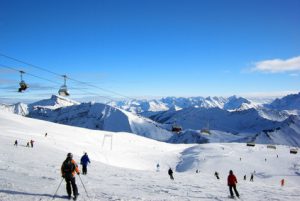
{"x":176,"y":128}
{"x":23,"y":85}
{"x":63,"y":91}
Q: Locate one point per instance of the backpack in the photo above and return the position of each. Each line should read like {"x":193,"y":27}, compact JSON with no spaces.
{"x":68,"y":168}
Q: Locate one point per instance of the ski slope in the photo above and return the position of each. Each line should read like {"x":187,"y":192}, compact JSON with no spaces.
{"x":124,"y":166}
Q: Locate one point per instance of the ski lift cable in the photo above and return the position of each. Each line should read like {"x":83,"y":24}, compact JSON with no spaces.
{"x":14,"y":69}
{"x":11,"y":68}
{"x":44,"y":69}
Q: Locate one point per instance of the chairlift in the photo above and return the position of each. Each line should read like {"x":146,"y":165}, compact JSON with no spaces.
{"x":206,"y":130}
{"x":293,"y":151}
{"x":271,"y":146}
{"x":250,"y":144}
{"x":23,"y":85}
{"x":176,"y":128}
{"x":63,"y":91}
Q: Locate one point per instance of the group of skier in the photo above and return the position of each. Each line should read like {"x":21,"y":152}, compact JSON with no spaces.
{"x":29,"y":144}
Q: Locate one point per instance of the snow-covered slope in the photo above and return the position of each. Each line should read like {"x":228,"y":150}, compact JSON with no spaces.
{"x":123,"y":166}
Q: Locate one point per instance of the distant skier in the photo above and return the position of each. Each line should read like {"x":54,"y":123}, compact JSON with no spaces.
{"x":84,"y":162}
{"x":157,"y":167}
{"x":245,"y":177}
{"x":232,"y":181}
{"x":46,"y":134}
{"x":217,"y":175}
{"x":16,"y":143}
{"x":27,"y":144}
{"x":68,"y":170}
{"x":251,"y":178}
{"x":282,"y":182}
{"x":170,"y":172}
{"x":31,"y":143}
{"x":197,"y":171}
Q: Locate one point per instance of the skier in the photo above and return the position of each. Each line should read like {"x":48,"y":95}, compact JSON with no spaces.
{"x":170,"y":172}
{"x":245,"y":177}
{"x":27,"y":144}
{"x":68,"y":170}
{"x":217,"y":175}
{"x":157,"y":167}
{"x":31,"y":143}
{"x":251,"y":178}
{"x":84,"y":162}
{"x":232,"y":181}
{"x":282,"y":182}
{"x":16,"y":143}
{"x":46,"y":134}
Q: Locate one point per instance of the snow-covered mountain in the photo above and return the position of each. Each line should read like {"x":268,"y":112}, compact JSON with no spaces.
{"x":152,"y":106}
{"x":90,"y":115}
{"x":288,"y":133}
{"x":289,"y":102}
{"x":248,"y":121}
{"x":123,"y":167}
{"x":214,"y":113}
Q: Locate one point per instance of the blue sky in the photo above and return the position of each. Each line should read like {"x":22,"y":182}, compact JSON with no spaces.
{"x":148,"y":48}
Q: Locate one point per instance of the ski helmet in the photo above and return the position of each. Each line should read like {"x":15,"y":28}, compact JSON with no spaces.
{"x":70,"y":155}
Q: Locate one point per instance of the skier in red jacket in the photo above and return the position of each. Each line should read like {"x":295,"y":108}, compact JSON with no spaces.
{"x":232,"y":181}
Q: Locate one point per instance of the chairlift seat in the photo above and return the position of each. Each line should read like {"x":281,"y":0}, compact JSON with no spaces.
{"x":63,"y":91}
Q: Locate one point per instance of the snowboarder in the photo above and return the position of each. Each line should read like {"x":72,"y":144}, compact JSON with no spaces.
{"x":16,"y":143}
{"x":217,"y":175}
{"x":68,"y":170}
{"x":232,"y":181}
{"x":251,"y":178}
{"x":157,"y":167}
{"x":245,"y":177}
{"x":170,"y":172}
{"x":31,"y":143}
{"x":84,"y":162}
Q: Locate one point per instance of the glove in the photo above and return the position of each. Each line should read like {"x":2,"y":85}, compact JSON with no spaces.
{"x":78,"y":173}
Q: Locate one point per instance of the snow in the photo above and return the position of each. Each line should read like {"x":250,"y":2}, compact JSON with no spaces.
{"x":127,"y":170}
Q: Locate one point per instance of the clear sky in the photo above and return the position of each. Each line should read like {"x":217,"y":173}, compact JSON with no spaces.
{"x":145,"y":48}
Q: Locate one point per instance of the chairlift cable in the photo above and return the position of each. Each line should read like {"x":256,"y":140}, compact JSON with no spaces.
{"x":11,"y":68}
{"x":44,"y":69}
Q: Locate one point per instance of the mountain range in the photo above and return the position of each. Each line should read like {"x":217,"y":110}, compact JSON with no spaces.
{"x":233,"y":119}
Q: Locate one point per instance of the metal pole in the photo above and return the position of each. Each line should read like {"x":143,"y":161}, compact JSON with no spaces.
{"x":57,"y":189}
{"x":84,"y":187}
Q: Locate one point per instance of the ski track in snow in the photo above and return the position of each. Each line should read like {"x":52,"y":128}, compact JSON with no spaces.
{"x":127,"y":172}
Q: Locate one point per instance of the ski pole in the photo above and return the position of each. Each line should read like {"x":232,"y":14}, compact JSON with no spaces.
{"x":83,"y":186}
{"x":57,"y":189}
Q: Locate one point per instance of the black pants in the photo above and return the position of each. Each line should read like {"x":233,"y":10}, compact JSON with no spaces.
{"x":234,"y":188}
{"x":171,"y":176}
{"x":84,"y":169}
{"x":71,"y":181}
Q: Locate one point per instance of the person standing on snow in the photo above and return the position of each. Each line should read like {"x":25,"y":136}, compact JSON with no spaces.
{"x":84,"y":162}
{"x":68,"y":170}
{"x":170,"y":172}
{"x":16,"y":143}
{"x":31,"y":143}
{"x":232,"y":181}
{"x":251,"y":178}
